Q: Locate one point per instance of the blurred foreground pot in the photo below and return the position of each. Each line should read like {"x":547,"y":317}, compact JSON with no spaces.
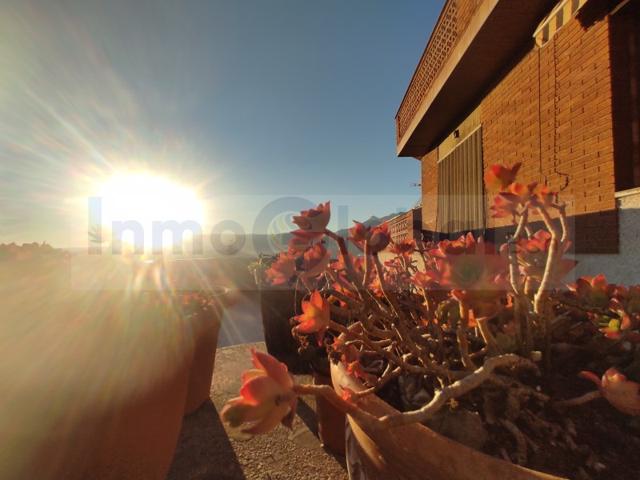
{"x":415,"y":452}
{"x":205,"y":329}
{"x":94,"y":382}
{"x":277,"y":307}
{"x":331,"y":421}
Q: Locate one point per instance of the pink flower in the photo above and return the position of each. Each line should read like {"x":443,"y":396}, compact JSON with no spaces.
{"x":507,"y":202}
{"x":376,"y":238}
{"x":379,"y":238}
{"x":359,"y":232}
{"x":523,"y":192}
{"x":315,"y":316}
{"x":350,"y":358}
{"x":473,"y":271}
{"x":348,"y":395}
{"x":315,"y":219}
{"x":504,"y":205}
{"x":623,"y":394}
{"x":595,"y":291}
{"x":626,"y":302}
{"x":266,"y":397}
{"x":500,"y":177}
{"x":544,"y":197}
{"x":403,"y":249}
{"x":315,"y":261}
{"x":533,"y":252}
{"x":426,"y":279}
{"x":616,"y":328}
{"x":301,"y":240}
{"x":281,"y":270}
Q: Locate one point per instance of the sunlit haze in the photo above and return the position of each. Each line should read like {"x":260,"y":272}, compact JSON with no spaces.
{"x":240,"y":101}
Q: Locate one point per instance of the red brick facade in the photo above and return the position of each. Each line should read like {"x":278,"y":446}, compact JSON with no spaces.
{"x":406,"y":226}
{"x":429,"y":190}
{"x":553,"y":113}
{"x":552,"y":110}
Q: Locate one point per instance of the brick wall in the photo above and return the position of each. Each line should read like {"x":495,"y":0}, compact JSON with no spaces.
{"x":429,"y":190}
{"x":625,"y":69}
{"x":553,"y":113}
{"x":406,"y":226}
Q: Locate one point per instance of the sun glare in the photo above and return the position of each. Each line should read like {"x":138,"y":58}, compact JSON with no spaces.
{"x":146,"y":198}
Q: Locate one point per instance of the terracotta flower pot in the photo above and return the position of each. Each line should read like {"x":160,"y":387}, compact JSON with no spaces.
{"x":331,"y":421}
{"x":415,"y":452}
{"x":94,"y":385}
{"x":205,"y":329}
{"x":277,"y":307}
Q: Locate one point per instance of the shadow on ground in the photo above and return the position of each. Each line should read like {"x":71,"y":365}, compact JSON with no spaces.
{"x":204,"y":451}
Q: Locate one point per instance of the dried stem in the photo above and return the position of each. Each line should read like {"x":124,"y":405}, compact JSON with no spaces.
{"x":461,"y":336}
{"x":587,"y":397}
{"x":457,"y":389}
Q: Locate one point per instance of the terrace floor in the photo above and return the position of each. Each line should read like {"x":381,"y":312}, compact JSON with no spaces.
{"x":206,"y":452}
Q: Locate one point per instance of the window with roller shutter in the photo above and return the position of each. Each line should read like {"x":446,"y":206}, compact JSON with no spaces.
{"x":461,"y":204}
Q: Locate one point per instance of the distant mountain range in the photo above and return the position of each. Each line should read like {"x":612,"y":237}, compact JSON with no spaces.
{"x":371,"y":222}
{"x":252,"y":244}
{"x":255,"y":244}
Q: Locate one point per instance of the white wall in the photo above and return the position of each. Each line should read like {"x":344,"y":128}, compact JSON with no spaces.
{"x":623,"y":268}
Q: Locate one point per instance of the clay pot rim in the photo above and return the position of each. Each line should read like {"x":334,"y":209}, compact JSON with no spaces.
{"x":215,"y":290}
{"x":339,"y":372}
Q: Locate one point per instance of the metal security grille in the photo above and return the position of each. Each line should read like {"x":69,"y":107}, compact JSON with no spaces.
{"x":460,"y":187}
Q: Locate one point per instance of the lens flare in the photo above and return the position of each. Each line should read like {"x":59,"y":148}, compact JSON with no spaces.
{"x":165,"y":211}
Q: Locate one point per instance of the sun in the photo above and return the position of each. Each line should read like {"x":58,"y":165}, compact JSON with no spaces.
{"x":144,"y":204}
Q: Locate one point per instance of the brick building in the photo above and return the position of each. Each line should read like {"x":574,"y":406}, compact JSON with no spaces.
{"x":552,"y":84}
{"x":406,"y":226}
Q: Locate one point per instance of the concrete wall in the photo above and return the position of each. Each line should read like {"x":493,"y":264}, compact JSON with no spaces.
{"x":624,"y":267}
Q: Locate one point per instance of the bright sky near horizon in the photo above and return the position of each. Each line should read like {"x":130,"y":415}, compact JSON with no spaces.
{"x":245,"y":101}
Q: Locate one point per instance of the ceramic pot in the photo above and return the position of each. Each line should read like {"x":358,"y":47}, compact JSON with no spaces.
{"x":95,"y":384}
{"x":277,"y":306}
{"x":205,"y":329}
{"x":415,"y":452}
{"x":331,"y":421}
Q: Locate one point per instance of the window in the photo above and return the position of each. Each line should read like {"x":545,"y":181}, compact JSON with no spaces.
{"x":558,"y":17}
{"x":460,"y":187}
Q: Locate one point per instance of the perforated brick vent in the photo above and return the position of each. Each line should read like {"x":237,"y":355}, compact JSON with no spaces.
{"x":453,"y":20}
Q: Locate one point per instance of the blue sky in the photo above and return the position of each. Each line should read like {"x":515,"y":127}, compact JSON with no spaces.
{"x":246,"y":99}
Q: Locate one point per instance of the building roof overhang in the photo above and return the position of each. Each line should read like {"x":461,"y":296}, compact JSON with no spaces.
{"x":498,"y":30}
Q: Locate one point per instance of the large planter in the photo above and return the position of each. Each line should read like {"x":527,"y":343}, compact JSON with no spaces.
{"x":331,"y":421}
{"x":415,"y":452}
{"x":277,"y":307}
{"x":204,"y":329}
{"x":94,"y":384}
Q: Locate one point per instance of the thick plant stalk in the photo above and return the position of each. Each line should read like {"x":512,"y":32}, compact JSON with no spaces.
{"x":461,"y":336}
{"x":340,"y":403}
{"x":345,"y":254}
{"x":541,"y":298}
{"x":581,"y":400}
{"x":456,"y":389}
{"x":387,"y":376}
{"x":514,"y":276}
{"x":524,"y":339}
{"x":402,"y":320}
{"x":487,"y":336}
